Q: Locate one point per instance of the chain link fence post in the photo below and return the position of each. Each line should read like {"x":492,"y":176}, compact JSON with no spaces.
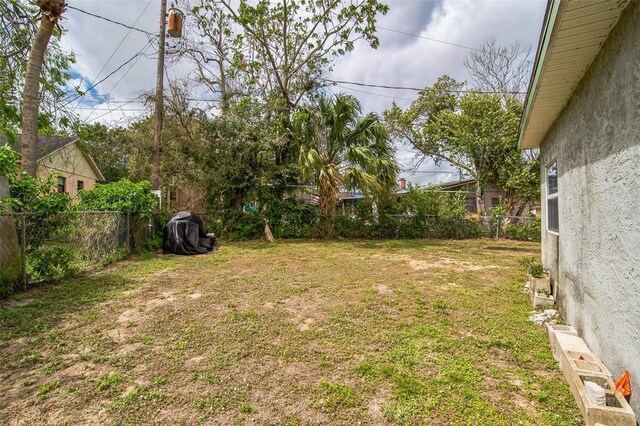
{"x":128,"y":238}
{"x":23,"y":249}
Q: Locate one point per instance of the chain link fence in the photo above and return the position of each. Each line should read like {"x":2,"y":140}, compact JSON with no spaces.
{"x":400,"y":226}
{"x":526,"y":228}
{"x":46,"y":247}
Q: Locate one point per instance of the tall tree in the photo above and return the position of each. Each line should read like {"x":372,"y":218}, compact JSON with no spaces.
{"x":500,"y":69}
{"x":475,"y":132}
{"x":341,"y":149}
{"x":17,"y":33}
{"x":51,"y":11}
{"x":281,"y":48}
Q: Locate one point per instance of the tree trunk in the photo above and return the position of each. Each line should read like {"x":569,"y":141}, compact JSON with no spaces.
{"x":31,"y":96}
{"x":10,"y":261}
{"x":479,"y":199}
{"x":326,"y":199}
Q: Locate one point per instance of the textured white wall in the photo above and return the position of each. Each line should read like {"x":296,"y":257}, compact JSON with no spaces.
{"x":595,"y":259}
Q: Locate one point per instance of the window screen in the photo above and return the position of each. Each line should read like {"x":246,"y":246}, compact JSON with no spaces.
{"x":552,"y":197}
{"x":61,"y":184}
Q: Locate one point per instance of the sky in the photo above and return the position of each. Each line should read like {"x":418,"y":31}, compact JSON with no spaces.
{"x":420,"y":40}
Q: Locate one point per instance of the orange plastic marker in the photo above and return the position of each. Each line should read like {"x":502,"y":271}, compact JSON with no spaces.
{"x":623,"y":384}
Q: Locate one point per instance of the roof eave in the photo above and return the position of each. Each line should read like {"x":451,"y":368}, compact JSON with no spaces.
{"x":545,"y":36}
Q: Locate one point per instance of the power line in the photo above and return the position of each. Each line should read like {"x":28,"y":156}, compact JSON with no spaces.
{"x":430,"y":39}
{"x":416,"y":89}
{"x":112,"y":21}
{"x":136,"y":57}
{"x":441,"y":41}
{"x":89,"y":119}
{"x":139,"y":55}
{"x":121,"y":42}
{"x":375,"y":94}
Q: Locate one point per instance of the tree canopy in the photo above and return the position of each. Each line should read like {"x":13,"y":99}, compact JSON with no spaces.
{"x":476,"y":132}
{"x":341,"y":149}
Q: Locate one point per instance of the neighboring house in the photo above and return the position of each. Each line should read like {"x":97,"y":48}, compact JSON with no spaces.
{"x":61,"y":156}
{"x":491,"y":194}
{"x":583,"y":112}
{"x":347,"y":199}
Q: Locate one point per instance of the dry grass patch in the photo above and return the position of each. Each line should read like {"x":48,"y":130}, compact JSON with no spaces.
{"x":295,"y":333}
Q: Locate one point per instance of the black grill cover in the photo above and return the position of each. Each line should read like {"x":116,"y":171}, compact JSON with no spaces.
{"x":185,"y":234}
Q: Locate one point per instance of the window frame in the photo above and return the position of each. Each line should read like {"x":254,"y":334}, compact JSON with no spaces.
{"x":80,"y":185}
{"x":62,"y":182}
{"x":552,"y":196}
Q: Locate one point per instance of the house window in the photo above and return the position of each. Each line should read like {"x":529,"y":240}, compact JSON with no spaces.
{"x":495,"y":202}
{"x":552,"y":197}
{"x":471,"y":205}
{"x":80,"y":185}
{"x":62,"y":184}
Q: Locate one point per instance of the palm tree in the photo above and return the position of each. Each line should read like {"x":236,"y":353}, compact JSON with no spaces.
{"x":341,"y":149}
{"x":51,"y":12}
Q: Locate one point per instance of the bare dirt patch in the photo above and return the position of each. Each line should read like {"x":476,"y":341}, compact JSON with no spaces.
{"x":290,"y":333}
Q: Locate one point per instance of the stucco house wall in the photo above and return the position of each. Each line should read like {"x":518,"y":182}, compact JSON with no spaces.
{"x":594,"y":260}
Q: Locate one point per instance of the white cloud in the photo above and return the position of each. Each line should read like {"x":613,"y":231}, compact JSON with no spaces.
{"x":401,"y":60}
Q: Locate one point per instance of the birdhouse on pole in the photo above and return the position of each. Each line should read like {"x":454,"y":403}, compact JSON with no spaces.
{"x":176,"y":21}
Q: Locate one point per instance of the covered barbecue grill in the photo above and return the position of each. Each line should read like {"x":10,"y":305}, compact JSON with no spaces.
{"x":185,"y":234}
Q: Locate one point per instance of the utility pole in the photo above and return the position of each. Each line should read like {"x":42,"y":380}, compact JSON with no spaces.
{"x":155,"y":160}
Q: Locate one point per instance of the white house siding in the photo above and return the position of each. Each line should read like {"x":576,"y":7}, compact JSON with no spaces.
{"x":595,"y":259}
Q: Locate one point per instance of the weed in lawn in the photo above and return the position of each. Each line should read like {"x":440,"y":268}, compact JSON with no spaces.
{"x":442,"y":306}
{"x":46,"y":388}
{"x":246,"y":408}
{"x":334,"y":396}
{"x":159,"y":380}
{"x":109,"y":381}
{"x":51,"y":366}
{"x":139,"y":395}
{"x":367,"y":370}
{"x":224,"y":400}
{"x":30,"y":358}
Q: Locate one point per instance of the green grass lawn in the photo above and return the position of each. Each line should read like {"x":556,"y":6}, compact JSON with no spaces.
{"x":294,"y":333}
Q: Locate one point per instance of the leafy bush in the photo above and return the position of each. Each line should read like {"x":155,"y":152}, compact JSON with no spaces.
{"x":9,"y":158}
{"x":529,"y":230}
{"x":51,"y":263}
{"x":29,"y":194}
{"x":533,"y":268}
{"x":26,"y":193}
{"x":240,"y":225}
{"x":292,"y":219}
{"x":124,"y":196}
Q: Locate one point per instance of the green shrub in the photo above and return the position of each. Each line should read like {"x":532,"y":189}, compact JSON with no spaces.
{"x":122,"y":196}
{"x":533,"y":268}
{"x":292,"y":219}
{"x":240,"y":225}
{"x":529,"y":230}
{"x":47,"y":264}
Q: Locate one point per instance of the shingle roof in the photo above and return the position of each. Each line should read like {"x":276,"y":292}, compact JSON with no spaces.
{"x":49,"y":144}
{"x":456,"y":183}
{"x":46,"y":144}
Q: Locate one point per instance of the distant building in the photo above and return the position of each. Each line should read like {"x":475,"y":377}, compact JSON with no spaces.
{"x":491,"y":193}
{"x":72,"y":166}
